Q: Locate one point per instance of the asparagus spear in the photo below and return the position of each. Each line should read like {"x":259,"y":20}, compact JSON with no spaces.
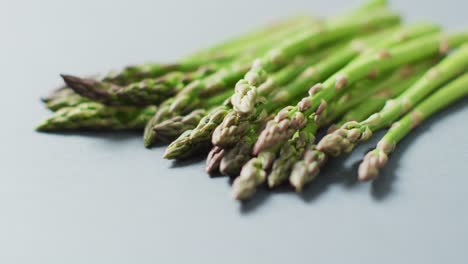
{"x":376,"y":101}
{"x":191,"y":140}
{"x":345,"y":138}
{"x":306,"y":169}
{"x":63,"y":97}
{"x":149,"y":91}
{"x":379,"y":89}
{"x":175,"y":126}
{"x":445,"y":96}
{"x":253,"y":174}
{"x":145,"y":92}
{"x":214,"y":159}
{"x":289,"y":121}
{"x":96,"y":116}
{"x":149,"y":135}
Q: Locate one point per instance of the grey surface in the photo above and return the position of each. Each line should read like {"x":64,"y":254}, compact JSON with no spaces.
{"x":103,"y":198}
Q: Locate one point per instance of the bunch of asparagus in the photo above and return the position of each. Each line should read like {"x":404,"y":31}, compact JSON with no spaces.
{"x":258,"y":100}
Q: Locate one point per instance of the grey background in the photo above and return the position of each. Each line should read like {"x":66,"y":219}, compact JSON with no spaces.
{"x":103,"y":198}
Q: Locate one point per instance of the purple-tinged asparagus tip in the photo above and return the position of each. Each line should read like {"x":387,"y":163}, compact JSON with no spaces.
{"x":86,"y":87}
{"x":214,"y":159}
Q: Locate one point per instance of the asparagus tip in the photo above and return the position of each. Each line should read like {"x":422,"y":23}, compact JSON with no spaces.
{"x":243,"y":188}
{"x":297,"y":178}
{"x":214,"y":159}
{"x":83,"y":86}
{"x":369,"y":168}
{"x":344,"y":139}
{"x":41,"y":127}
{"x":179,"y":148}
{"x":74,"y":81}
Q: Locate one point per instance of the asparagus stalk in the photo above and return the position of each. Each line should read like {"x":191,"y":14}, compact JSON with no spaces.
{"x":350,"y":134}
{"x":175,"y":126}
{"x":380,"y":89}
{"x":96,"y":116}
{"x":289,"y":121}
{"x":445,"y":96}
{"x":151,"y":91}
{"x":191,"y":140}
{"x":214,"y":159}
{"x":305,"y":170}
{"x":63,"y":97}
{"x":253,"y":174}
{"x":149,"y":135}
{"x":376,"y":101}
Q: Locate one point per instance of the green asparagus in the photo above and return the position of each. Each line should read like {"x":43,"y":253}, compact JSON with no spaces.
{"x":445,"y":96}
{"x":63,"y":97}
{"x":306,"y":169}
{"x":289,"y":121}
{"x":96,"y":116}
{"x":345,"y":138}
